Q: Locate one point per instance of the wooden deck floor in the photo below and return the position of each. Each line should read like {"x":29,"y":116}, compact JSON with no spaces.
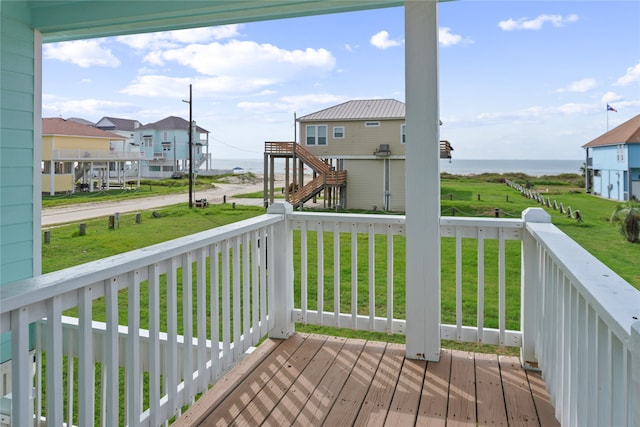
{"x":313,"y":380}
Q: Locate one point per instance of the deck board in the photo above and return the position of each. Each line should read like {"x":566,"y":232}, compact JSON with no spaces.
{"x":314,"y":380}
{"x":327,"y":391}
{"x":521,"y":410}
{"x":435,"y":392}
{"x":378,"y":399}
{"x":490,"y":403}
{"x":462,"y":390}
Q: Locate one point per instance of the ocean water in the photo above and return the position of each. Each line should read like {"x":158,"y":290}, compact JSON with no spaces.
{"x":455,"y":166}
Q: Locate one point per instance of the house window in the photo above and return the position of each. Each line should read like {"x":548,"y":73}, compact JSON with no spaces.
{"x":316,"y":134}
{"x":371,"y":124}
{"x":403,"y":135}
{"x":147,"y":141}
{"x":338,"y":132}
{"x":620,"y":152}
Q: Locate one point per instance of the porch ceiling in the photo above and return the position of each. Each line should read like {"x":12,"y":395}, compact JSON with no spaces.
{"x":78,"y":19}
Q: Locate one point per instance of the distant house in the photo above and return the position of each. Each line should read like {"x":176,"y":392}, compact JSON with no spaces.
{"x":165,"y":149}
{"x":366,"y":138}
{"x":125,"y":128}
{"x":613,"y":162}
{"x":77,"y":156}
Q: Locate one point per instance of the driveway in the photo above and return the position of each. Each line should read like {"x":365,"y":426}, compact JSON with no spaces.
{"x":79,"y":212}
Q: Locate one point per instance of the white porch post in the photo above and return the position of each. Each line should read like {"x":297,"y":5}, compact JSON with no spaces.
{"x":530,"y":288}
{"x":282,"y":272}
{"x":422,"y":180}
{"x":635,"y":373}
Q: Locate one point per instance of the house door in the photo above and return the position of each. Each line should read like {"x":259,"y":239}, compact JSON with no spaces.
{"x":635,"y":190}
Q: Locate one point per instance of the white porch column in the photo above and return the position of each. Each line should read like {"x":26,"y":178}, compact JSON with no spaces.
{"x":282,"y":272}
{"x":423,"y":180}
{"x":635,"y":374}
{"x":530,"y":288}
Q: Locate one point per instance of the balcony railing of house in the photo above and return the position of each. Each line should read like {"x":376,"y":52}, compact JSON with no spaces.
{"x":196,"y":304}
{"x":96,"y":155}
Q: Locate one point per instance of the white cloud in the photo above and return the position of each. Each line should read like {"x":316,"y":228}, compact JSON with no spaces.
{"x":610,"y":97}
{"x":54,"y":106}
{"x":632,"y":76}
{"x":172,"y":39}
{"x":537,"y":23}
{"x":177,"y":87}
{"x":573,"y":108}
{"x":381,"y":40}
{"x":447,"y":38}
{"x":300,"y":103}
{"x":250,"y":60}
{"x":84,"y":53}
{"x":583,"y":85}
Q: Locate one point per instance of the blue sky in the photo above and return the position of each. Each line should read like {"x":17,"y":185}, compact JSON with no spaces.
{"x":518,"y":79}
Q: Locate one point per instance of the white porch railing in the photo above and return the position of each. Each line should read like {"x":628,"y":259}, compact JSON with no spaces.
{"x":576,"y":318}
{"x":96,"y":155}
{"x":221,"y":276}
{"x":578,"y":321}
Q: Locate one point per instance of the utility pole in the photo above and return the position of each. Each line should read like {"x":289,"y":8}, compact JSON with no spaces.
{"x":190,"y":102}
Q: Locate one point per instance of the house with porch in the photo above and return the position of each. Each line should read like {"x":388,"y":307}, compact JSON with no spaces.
{"x":613,"y":162}
{"x":578,"y":329}
{"x":367,"y":139}
{"x":356,"y":152}
{"x":79,"y":157}
{"x":165,"y":147}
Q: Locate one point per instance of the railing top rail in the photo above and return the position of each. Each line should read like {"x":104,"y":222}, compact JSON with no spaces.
{"x":617,"y":302}
{"x":36,"y":289}
{"x":481,"y":222}
{"x":345,"y":217}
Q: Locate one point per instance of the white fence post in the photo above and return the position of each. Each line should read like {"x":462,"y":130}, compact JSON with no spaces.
{"x":635,"y":373}
{"x":282,"y":273}
{"x":530,"y":288}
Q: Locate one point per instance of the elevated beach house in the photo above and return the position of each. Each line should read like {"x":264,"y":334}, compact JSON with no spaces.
{"x":165,"y":147}
{"x":79,"y":157}
{"x":613,"y":162}
{"x":210,"y":297}
{"x":356,"y":151}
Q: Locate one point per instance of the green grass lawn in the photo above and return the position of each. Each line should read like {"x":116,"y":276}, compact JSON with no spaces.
{"x":478,"y":196}
{"x":465,"y":197}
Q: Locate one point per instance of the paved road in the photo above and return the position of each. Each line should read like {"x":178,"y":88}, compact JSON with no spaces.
{"x":65,"y":214}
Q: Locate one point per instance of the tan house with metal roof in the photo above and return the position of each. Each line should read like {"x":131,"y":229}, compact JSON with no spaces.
{"x":366,"y":138}
{"x":76,"y":153}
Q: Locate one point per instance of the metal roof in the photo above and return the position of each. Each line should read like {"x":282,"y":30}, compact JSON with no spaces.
{"x":58,"y":126}
{"x":118,"y":124}
{"x":626,"y":133}
{"x":365,"y":109}
{"x":170,"y":123}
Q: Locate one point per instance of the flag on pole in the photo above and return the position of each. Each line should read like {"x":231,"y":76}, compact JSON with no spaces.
{"x":610,"y":108}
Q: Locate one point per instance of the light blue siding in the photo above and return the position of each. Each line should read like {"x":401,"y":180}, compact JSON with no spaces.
{"x":16,"y":142}
{"x":612,"y":172}
{"x":634,"y":155}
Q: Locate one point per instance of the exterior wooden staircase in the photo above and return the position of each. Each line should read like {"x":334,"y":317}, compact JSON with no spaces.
{"x":326,"y":176}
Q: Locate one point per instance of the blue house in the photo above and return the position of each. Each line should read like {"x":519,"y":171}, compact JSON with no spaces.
{"x":164,"y":146}
{"x":613,"y":162}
